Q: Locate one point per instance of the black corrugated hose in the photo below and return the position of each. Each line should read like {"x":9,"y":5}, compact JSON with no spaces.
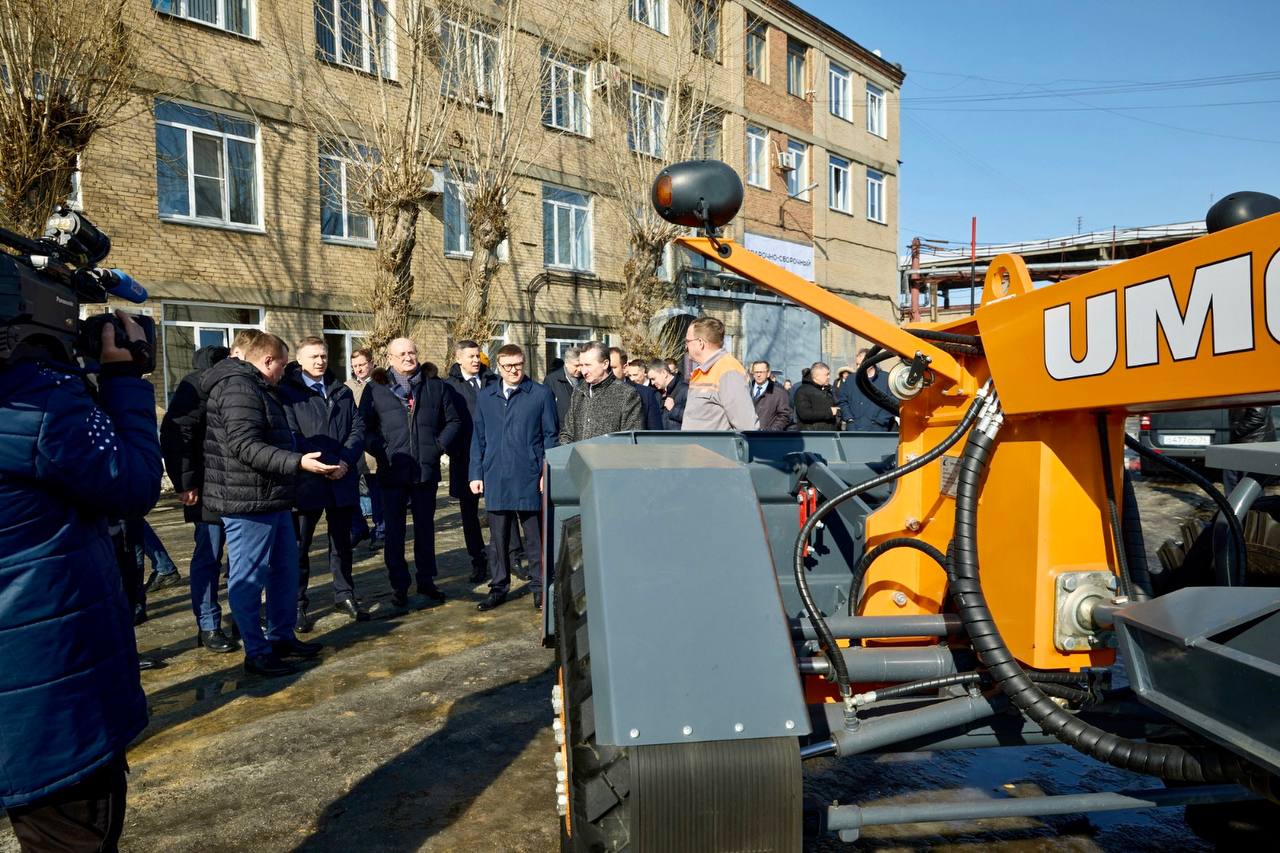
{"x":860,"y":570}
{"x":825,"y":637}
{"x":1135,"y":581}
{"x":1167,"y":761}
{"x":874,"y":356}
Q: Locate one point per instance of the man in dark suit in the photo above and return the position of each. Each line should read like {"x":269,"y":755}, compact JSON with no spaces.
{"x":466,"y":379}
{"x":563,"y":380}
{"x":635,"y":374}
{"x":674,"y":390}
{"x":409,"y":419}
{"x":773,"y":405}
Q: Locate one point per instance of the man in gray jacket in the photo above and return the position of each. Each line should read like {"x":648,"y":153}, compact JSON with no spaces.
{"x":600,"y":404}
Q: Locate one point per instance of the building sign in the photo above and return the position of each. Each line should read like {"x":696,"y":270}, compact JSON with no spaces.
{"x":792,"y":257}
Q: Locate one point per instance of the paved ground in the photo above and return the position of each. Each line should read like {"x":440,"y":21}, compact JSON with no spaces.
{"x":429,"y":730}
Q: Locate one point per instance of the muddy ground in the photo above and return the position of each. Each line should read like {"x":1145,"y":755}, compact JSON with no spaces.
{"x":430,"y":730}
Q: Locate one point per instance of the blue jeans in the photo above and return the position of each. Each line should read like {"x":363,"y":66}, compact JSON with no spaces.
{"x":370,"y":505}
{"x":206,"y":566}
{"x":154,"y":549}
{"x":262,"y":549}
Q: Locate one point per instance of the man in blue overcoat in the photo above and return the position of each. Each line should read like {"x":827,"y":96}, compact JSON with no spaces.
{"x":515,"y":423}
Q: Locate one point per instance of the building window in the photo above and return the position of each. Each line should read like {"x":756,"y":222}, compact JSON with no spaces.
{"x":564,"y":97}
{"x":560,"y":338}
{"x":343,"y":217}
{"x":798,"y":178}
{"x":704,"y":27}
{"x":875,"y":111}
{"x":356,"y":33}
{"x":234,"y":16}
{"x":795,"y":67}
{"x":651,"y":13}
{"x":758,"y":157}
{"x":841,"y":92}
{"x":206,"y":166}
{"x":457,"y":232}
{"x":648,"y":120}
{"x":706,"y":135}
{"x":469,"y":64}
{"x":875,"y":196}
{"x":566,"y":228}
{"x":757,"y":48}
{"x":838,"y":195}
{"x":188,"y":326}
{"x":343,"y":334}
{"x":497,"y":340}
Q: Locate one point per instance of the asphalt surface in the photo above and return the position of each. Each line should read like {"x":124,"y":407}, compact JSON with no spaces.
{"x":429,"y":729}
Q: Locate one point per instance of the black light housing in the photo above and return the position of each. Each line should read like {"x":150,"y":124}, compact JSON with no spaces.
{"x":1239,"y":208}
{"x":698,"y":194}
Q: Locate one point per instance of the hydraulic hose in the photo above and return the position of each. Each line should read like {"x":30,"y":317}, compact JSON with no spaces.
{"x":1077,"y":683}
{"x":1238,"y":568}
{"x":874,"y":356}
{"x":950,"y":341}
{"x":860,"y":570}
{"x":1168,"y":761}
{"x":1128,"y":588}
{"x":828,"y":642}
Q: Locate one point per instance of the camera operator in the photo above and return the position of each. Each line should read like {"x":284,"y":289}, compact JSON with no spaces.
{"x":70,"y":696}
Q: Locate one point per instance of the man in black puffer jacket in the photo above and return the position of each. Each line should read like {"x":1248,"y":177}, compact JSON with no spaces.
{"x":322,"y":414}
{"x":250,"y":470}
{"x":815,"y":406}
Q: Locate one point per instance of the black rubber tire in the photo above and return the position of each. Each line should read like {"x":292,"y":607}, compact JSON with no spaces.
{"x":599,"y":776}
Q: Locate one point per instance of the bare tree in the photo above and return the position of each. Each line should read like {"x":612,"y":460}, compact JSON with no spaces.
{"x":66,"y":71}
{"x":652,"y":107}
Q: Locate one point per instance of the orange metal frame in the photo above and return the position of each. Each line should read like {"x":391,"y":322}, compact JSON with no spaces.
{"x":1195,"y":325}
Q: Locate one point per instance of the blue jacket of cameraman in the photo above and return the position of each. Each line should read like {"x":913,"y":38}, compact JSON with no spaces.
{"x":70,"y":698}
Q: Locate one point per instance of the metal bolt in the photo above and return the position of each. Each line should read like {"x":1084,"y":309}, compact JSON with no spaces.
{"x":1070,"y":582}
{"x":900,"y":598}
{"x":1111,"y":582}
{"x":913,"y":524}
{"x":1069,"y":643}
{"x":687,"y":730}
{"x":634,"y":733}
{"x":790,"y":724}
{"x":738,"y":727}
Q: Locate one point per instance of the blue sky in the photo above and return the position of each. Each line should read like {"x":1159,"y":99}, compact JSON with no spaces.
{"x":1048,"y":142}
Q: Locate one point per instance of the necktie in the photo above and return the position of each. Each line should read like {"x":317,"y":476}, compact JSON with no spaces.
{"x":319,"y":388}
{"x":759,"y":391}
{"x":508,"y":391}
{"x":475,"y":382}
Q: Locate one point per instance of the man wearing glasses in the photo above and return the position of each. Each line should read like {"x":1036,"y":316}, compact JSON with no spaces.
{"x":718,"y":396}
{"x":515,"y":423}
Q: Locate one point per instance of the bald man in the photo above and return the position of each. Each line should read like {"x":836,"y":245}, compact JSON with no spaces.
{"x":409,"y":419}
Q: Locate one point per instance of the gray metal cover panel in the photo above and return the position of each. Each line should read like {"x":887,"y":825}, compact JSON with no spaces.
{"x":685,"y":626}
{"x":1259,"y":458}
{"x":1191,"y":614}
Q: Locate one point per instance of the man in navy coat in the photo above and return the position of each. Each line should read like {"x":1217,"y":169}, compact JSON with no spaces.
{"x":515,"y":423}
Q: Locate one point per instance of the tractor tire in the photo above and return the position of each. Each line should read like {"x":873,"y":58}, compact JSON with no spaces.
{"x":1188,"y":561}
{"x":704,"y":797}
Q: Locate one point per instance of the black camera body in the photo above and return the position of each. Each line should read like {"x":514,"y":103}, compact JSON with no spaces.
{"x":44,"y":282}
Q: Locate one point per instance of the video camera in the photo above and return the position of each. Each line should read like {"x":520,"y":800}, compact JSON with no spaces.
{"x":43,"y":282}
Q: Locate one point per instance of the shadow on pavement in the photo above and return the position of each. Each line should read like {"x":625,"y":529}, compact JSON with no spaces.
{"x":425,"y":789}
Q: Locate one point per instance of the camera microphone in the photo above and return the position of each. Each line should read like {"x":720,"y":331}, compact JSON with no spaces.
{"x":120,"y":283}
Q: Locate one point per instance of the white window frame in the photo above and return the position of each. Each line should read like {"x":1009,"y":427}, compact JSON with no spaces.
{"x":349,"y":344}
{"x":345,"y":239}
{"x":876,"y":116}
{"x":575,"y":211}
{"x":758,"y":157}
{"x":798,"y":178}
{"x":499,"y":339}
{"x":577,"y":100}
{"x":840,"y":91}
{"x":465,"y":249}
{"x":758,"y":29}
{"x":561,"y":343}
{"x":875,"y":197}
{"x":652,"y":103}
{"x":491,"y":92}
{"x":650,"y":13}
{"x":801,"y":72}
{"x":230,"y":329}
{"x":191,"y":218}
{"x":704,"y":28}
{"x":839,"y":193}
{"x":181,"y":9}
{"x":386,"y":67}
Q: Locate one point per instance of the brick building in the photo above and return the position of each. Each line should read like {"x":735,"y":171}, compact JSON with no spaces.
{"x":214,"y":197}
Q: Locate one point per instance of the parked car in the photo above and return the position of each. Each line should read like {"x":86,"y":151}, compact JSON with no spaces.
{"x":1185,"y":435}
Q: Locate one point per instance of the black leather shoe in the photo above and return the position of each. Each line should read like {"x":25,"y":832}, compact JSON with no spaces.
{"x":355,"y":611}
{"x":148,"y":663}
{"x":431,"y":591}
{"x":495,"y":599}
{"x":295,"y":648}
{"x":537,"y":601}
{"x":304,"y":621}
{"x":479,"y":574}
{"x":268,"y":665}
{"x":400,"y":598}
{"x":215,"y":641}
{"x":158,"y":581}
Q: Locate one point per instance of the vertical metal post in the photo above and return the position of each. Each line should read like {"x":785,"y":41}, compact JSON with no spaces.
{"x":973,"y":263}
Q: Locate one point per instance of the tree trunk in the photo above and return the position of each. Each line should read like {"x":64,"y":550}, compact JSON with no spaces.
{"x":472,"y":320}
{"x":643,"y":295}
{"x":393,"y":278}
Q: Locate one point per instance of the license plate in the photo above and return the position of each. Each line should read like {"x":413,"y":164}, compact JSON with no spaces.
{"x":1186,"y":440}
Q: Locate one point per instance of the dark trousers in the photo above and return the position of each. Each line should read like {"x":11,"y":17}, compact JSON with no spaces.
{"x":206,"y":567}
{"x":339,"y":522}
{"x":469,"y":507}
{"x":397,"y":503}
{"x":86,"y":816}
{"x":506,"y":529}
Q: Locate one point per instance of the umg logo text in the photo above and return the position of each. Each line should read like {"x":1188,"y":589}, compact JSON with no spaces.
{"x":1221,"y":297}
